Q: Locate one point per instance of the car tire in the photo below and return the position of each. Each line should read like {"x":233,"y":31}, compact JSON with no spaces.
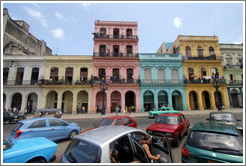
{"x":37,"y":161}
{"x":72,"y":134}
{"x":178,"y":141}
{"x":7,"y":122}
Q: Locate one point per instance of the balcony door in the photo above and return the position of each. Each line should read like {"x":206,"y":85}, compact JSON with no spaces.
{"x":69,"y":75}
{"x":129,"y":75}
{"x":102,"y":51}
{"x":116,"y":33}
{"x":19,"y":76}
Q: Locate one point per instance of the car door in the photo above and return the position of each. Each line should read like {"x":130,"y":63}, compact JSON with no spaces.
{"x":37,"y":129}
{"x":128,"y":122}
{"x":57,"y":129}
{"x":161,"y":145}
{"x":181,"y":128}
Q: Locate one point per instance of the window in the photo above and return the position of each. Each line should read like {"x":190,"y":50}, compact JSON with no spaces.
{"x":127,"y":121}
{"x":191,"y":73}
{"x":83,"y":74}
{"x":54,"y":74}
{"x":102,"y":32}
{"x":175,"y":75}
{"x":203,"y":73}
{"x":37,"y":124}
{"x":118,"y":122}
{"x":229,"y":61}
{"x":5,"y":75}
{"x":147,"y":76}
{"x":129,"y":51}
{"x":69,"y":75}
{"x":34,"y":77}
{"x":231,"y":77}
{"x":129,"y":75}
{"x":161,"y":76}
{"x":181,"y":120}
{"x":116,"y":74}
{"x":200,"y":51}
{"x":55,"y":122}
{"x":116,"y":51}
{"x":19,"y":76}
{"x":188,"y":51}
{"x":128,"y":33}
{"x":101,"y":72}
{"x":102,"y":51}
{"x":116,"y":33}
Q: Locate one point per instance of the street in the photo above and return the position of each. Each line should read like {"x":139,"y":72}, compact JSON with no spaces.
{"x":142,"y":123}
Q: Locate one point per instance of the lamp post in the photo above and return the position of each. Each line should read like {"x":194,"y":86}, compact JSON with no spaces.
{"x":103,"y":87}
{"x":216,"y":84}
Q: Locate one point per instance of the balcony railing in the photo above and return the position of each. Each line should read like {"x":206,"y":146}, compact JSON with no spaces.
{"x":203,"y":81}
{"x":20,"y":82}
{"x":234,"y":82}
{"x":112,"y":80}
{"x":162,"y":81}
{"x":102,"y":36}
{"x":233,"y":66}
{"x":115,"y":54}
{"x":63,"y":82}
{"x":212,"y":57}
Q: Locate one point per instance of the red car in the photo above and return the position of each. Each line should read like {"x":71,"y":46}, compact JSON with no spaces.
{"x":115,"y":120}
{"x":174,"y":125}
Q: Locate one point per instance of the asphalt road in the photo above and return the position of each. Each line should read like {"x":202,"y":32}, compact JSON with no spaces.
{"x":143,"y":123}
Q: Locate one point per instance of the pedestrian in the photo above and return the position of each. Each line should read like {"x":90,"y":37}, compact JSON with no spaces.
{"x":70,"y":110}
{"x":60,"y":113}
{"x":130,"y":110}
{"x":117,"y":110}
{"x":14,"y":109}
{"x":124,"y":110}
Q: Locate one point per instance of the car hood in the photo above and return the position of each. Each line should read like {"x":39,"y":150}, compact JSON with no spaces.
{"x":163,"y":127}
{"x":163,"y":112}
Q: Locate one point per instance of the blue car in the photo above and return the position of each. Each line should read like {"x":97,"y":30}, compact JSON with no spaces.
{"x":30,"y":150}
{"x":51,"y":128}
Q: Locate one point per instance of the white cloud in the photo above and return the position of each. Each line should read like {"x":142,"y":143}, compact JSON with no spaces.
{"x":86,"y":5}
{"x":38,"y":15}
{"x":58,"y":33}
{"x":177,"y":22}
{"x":239,"y":41}
{"x":60,"y":17}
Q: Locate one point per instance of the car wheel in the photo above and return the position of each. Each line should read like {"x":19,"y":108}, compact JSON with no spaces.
{"x":72,"y":134}
{"x":178,"y":140}
{"x":37,"y":161}
{"x":7,"y":122}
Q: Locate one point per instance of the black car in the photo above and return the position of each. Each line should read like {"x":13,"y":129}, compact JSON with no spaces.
{"x":9,"y":117}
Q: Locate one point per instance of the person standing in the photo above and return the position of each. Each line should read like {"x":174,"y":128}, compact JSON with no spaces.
{"x":130,"y":110}
{"x":117,"y":110}
{"x":124,"y":110}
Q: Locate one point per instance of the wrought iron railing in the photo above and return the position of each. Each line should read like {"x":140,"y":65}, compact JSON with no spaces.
{"x":20,"y":82}
{"x":233,"y":66}
{"x":63,"y":82}
{"x":203,"y":81}
{"x":211,"y":57}
{"x":162,"y":81}
{"x":102,"y":36}
{"x":112,"y":80}
{"x":104,"y":54}
{"x":234,"y":82}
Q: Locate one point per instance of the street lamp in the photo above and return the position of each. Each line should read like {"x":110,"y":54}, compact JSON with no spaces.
{"x":103,"y":87}
{"x":216,"y":83}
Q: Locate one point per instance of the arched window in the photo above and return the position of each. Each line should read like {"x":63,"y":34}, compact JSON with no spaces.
{"x":188,"y":51}
{"x":200,"y":51}
{"x":211,"y":51}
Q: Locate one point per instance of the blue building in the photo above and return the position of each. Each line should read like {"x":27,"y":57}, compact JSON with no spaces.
{"x":162,"y":81}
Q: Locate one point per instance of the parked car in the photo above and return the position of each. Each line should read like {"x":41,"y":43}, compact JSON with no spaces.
{"x":163,"y":110}
{"x":173,"y":125}
{"x":227,"y":118}
{"x":29,"y":150}
{"x":97,"y":145}
{"x":115,"y":120}
{"x":51,"y":128}
{"x":210,"y":142}
{"x":9,"y":117}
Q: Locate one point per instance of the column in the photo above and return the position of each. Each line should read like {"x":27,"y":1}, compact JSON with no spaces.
{"x":188,"y":101}
{"x":200,"y":105}
{"x":137,"y":100}
{"x":40,"y":100}
{"x":12,"y":75}
{"x":59,"y":100}
{"x":156,"y":100}
{"x":142,"y":100}
{"x":229,"y":95}
{"x":123,"y":102}
{"x":27,"y":75}
{"x":212,"y":101}
{"x":170,"y":103}
{"x":89,"y":101}
{"x":108,"y":105}
{"x":8,"y":102}
{"x":75,"y":101}
{"x":23,"y":102}
{"x":184,"y":103}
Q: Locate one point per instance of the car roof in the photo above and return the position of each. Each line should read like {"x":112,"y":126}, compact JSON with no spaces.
{"x":170,"y":114}
{"x":116,"y":117}
{"x":102,"y":134}
{"x":215,"y":127}
{"x":35,"y":119}
{"x":221,"y":112}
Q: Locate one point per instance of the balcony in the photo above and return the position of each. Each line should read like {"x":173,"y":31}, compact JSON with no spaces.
{"x":212,"y":57}
{"x":203,"y":81}
{"x":233,"y":66}
{"x":234,"y":82}
{"x":126,"y":55}
{"x":102,"y":36}
{"x":63,"y":82}
{"x":113,"y":80}
{"x":20,"y":82}
{"x":162,"y":81}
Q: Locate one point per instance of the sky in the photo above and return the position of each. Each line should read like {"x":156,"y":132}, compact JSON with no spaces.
{"x":67,"y":27}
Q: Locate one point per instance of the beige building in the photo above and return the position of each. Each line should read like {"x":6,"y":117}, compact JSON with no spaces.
{"x":66,"y":83}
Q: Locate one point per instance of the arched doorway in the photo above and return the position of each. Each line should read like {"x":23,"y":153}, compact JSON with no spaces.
{"x":148,"y":101}
{"x":82,"y":101}
{"x":193,"y":100}
{"x":162,"y":99}
{"x":51,"y":99}
{"x":216,"y":99}
{"x":130,"y":99}
{"x":67,"y":101}
{"x":177,"y":100}
{"x":206,"y":100}
{"x":16,"y":101}
{"x":99,"y":101}
{"x":4,"y":101}
{"x":115,"y":100}
{"x":32,"y":102}
{"x":234,"y":97}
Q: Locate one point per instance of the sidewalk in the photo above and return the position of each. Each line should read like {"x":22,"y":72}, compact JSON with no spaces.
{"x":137,"y":114}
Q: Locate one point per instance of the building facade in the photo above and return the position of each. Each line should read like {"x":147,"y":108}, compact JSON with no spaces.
{"x":115,"y":59}
{"x":202,"y":59}
{"x":66,"y":83}
{"x":162,"y":81}
{"x":23,"y":65}
{"x":233,"y":70}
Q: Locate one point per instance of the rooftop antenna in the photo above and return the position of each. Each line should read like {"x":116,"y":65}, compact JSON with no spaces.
{"x":214,"y":33}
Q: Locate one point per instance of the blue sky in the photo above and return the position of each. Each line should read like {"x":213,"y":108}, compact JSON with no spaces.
{"x":67,"y":27}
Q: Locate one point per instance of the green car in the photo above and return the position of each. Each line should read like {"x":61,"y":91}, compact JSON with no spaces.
{"x":210,"y":142}
{"x":163,"y":110}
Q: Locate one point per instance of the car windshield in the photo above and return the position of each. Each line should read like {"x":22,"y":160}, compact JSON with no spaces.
{"x":216,"y":142}
{"x":167,"y":120}
{"x":106,"y":122}
{"x":226,"y":117}
{"x":81,"y":151}
{"x":6,"y":143}
{"x":17,"y":126}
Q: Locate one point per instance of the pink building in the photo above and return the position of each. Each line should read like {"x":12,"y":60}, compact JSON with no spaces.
{"x":115,"y":59}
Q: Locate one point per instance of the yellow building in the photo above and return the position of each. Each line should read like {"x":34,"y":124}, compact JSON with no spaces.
{"x":66,"y":83}
{"x":201,"y":59}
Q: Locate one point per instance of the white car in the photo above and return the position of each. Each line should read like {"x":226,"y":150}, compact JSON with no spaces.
{"x":96,"y":146}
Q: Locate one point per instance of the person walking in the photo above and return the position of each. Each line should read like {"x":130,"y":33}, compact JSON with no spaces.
{"x":117,"y":110}
{"x":124,"y":111}
{"x":130,"y":110}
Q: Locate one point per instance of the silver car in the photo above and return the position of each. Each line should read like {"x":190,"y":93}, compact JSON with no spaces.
{"x":97,"y":146}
